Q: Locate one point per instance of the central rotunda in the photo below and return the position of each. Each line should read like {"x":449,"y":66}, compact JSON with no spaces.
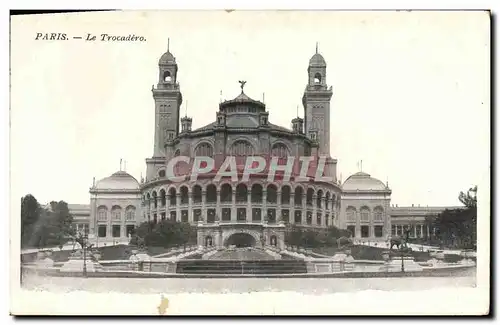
{"x":242,"y":212}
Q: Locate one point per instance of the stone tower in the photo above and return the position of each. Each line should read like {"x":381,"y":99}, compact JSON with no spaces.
{"x":168,"y":99}
{"x":316,"y":101}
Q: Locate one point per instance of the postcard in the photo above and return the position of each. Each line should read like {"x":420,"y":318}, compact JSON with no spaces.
{"x":234,"y":162}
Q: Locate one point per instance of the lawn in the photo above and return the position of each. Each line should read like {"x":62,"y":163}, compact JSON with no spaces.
{"x":119,"y":252}
{"x":361,"y":252}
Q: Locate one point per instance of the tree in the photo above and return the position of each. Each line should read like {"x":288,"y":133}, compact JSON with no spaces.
{"x":62,"y":222}
{"x":30,"y":215}
{"x":429,"y":222}
{"x":310,"y":238}
{"x":469,"y":199}
{"x":54,"y":225}
{"x":186,"y":232}
{"x":458,"y":227}
{"x":140,"y":233}
{"x":296,"y":236}
{"x":79,"y":237}
{"x":167,"y":233}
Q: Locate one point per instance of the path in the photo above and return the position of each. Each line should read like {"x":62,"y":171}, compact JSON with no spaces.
{"x":71,"y":246}
{"x":415,"y":247}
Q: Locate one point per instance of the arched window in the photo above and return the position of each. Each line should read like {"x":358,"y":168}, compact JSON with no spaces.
{"x":285,"y":195}
{"x":177,"y":153}
{"x":272,"y":194}
{"x":309,"y":197}
{"x":365,"y":214}
{"x":226,"y":193}
{"x":184,"y":195}
{"x":116,"y":213}
{"x":319,"y":199}
{"x":327,"y":200}
{"x":204,"y":150}
{"x":242,"y":148}
{"x":167,"y":76}
{"x":279,"y":150}
{"x":155,"y":201}
{"x":130,"y":213}
{"x":317,"y":78}
{"x":163,"y":197}
{"x":378,"y":213}
{"x":197,"y":194}
{"x":351,"y":213}
{"x":256,"y":193}
{"x":299,"y":192}
{"x":102,"y":213}
{"x":161,"y":173}
{"x":211,"y":193}
{"x":241,"y":193}
{"x":172,"y":193}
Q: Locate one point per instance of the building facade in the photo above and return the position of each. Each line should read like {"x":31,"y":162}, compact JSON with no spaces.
{"x":253,"y":210}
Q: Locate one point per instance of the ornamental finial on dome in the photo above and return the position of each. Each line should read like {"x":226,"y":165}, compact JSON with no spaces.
{"x":242,"y":85}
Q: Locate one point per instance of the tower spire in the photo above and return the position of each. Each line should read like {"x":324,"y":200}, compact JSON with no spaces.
{"x":316,"y":47}
{"x":186,"y":108}
{"x":297,"y":110}
{"x":168,"y":45}
{"x":121,"y":164}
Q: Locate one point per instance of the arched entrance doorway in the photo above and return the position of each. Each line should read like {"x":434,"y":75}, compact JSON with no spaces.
{"x":240,"y":240}
{"x":208,"y":241}
{"x":273,"y":240}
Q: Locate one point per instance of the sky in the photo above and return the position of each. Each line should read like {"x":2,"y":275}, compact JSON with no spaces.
{"x":411,"y":92}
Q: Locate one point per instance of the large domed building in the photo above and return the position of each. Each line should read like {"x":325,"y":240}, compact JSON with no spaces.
{"x":253,"y":210}
{"x":114,"y":206}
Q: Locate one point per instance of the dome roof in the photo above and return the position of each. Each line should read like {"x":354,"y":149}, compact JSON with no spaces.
{"x":363,"y":182}
{"x":167,"y":58}
{"x":243,"y":99}
{"x":317,"y":60}
{"x":118,"y":181}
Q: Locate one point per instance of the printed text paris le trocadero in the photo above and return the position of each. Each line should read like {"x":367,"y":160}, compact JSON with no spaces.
{"x":89,"y":37}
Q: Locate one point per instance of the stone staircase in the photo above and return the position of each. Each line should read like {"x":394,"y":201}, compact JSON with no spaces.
{"x":241,"y":267}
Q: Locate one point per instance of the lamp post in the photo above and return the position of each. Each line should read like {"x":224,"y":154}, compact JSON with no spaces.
{"x":83,"y":239}
{"x":402,"y":259}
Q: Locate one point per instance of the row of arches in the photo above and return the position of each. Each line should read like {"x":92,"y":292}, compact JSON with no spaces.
{"x":116,"y":213}
{"x":365,"y":213}
{"x":239,"y":148}
{"x":257,"y":193}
